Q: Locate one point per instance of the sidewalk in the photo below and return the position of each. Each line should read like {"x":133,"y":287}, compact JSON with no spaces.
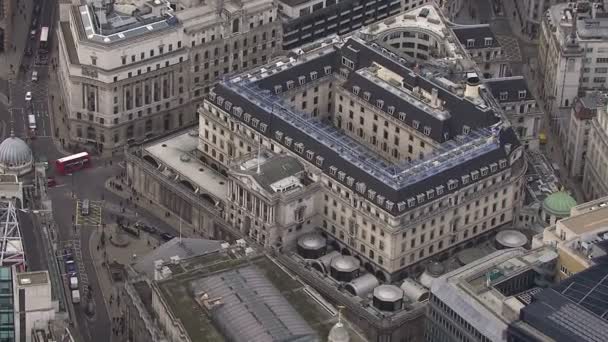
{"x":11,"y":59}
{"x":105,"y":254}
{"x":134,"y":202}
{"x":57,"y":114}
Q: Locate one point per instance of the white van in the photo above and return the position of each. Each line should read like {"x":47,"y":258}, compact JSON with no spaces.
{"x":75,"y":296}
{"x":34,"y":75}
{"x":73,"y":283}
{"x":31,"y":120}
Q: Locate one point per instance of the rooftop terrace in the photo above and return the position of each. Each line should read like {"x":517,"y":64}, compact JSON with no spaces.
{"x":124,"y":20}
{"x":177,"y":154}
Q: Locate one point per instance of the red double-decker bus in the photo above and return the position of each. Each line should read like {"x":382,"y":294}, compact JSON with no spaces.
{"x":73,"y":163}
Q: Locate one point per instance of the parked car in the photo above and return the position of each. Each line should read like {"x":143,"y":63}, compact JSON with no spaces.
{"x":70,"y":268}
{"x":167,"y":236}
{"x":51,"y":182}
{"x":146,"y":228}
{"x":75,"y":296}
{"x":74,"y":283}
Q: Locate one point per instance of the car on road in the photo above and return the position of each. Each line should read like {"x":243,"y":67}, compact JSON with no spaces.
{"x":28,"y":96}
{"x":33,"y":34}
{"x":167,"y":236}
{"x":74,"y":283}
{"x":51,"y":182}
{"x":146,"y":228}
{"x":75,"y":296}
{"x":70,"y":268}
{"x":35,"y":76}
{"x":28,"y":51}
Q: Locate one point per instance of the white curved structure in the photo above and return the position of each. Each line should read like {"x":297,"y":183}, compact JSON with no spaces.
{"x":15,"y":156}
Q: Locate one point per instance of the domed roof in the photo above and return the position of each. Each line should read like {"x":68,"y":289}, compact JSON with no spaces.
{"x":559,"y":203}
{"x":15,"y":152}
{"x":511,"y":238}
{"x":338,"y":333}
{"x":345,"y":263}
{"x":388,"y":293}
{"x":312,"y":241}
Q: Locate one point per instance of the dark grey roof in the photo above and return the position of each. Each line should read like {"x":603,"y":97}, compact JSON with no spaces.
{"x":509,"y":87}
{"x":393,"y":184}
{"x":562,"y":320}
{"x":576,"y":309}
{"x":292,"y":3}
{"x":275,"y":169}
{"x":251,"y":308}
{"x":478,"y":33}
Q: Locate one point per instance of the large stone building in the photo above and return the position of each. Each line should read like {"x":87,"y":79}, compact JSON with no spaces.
{"x":595,"y":173}
{"x":305,"y":21}
{"x":479,"y":301}
{"x":520,"y":106}
{"x":335,"y":109}
{"x":578,"y":130}
{"x":573,"y":53}
{"x":133,"y":70}
{"x":485,"y":48}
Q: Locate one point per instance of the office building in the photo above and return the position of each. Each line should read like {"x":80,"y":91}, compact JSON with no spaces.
{"x":573,"y":53}
{"x":135,"y":70}
{"x":581,"y":239}
{"x":572,"y":310}
{"x":595,"y":174}
{"x":479,"y":301}
{"x":305,"y":21}
{"x":520,"y":106}
{"x":577,"y":132}
{"x":345,"y":97}
{"x":28,"y":305}
{"x":484,"y":48}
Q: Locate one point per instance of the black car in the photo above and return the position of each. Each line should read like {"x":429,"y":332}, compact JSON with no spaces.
{"x":28,"y":51}
{"x":167,"y":236}
{"x":146,"y":228}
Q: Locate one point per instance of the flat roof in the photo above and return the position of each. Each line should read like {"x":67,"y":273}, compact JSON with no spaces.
{"x":33,"y":278}
{"x":177,"y":153}
{"x":8,"y":178}
{"x":588,"y":221}
{"x":178,"y":294}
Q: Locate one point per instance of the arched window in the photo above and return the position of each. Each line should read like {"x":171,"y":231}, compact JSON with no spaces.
{"x":235,"y":26}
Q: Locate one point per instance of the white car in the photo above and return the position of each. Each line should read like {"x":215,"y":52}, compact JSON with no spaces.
{"x":28,"y":96}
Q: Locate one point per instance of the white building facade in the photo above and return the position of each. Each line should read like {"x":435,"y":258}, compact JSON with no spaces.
{"x":573,"y":53}
{"x":348,"y":210}
{"x":144,"y":75}
{"x":595,"y":174}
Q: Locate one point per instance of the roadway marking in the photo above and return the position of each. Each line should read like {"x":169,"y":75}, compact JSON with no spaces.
{"x":94,"y":217}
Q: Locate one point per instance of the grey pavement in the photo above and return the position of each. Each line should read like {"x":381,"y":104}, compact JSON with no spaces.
{"x":11,"y":58}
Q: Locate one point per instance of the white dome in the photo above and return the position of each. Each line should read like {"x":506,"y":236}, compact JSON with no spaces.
{"x":15,"y":156}
{"x":338,"y":333}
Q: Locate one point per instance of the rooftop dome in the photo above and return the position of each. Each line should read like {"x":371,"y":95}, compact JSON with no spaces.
{"x":559,"y":204}
{"x":15,"y":156}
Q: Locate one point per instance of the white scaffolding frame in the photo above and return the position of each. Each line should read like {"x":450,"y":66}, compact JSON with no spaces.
{"x":11,"y":244}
